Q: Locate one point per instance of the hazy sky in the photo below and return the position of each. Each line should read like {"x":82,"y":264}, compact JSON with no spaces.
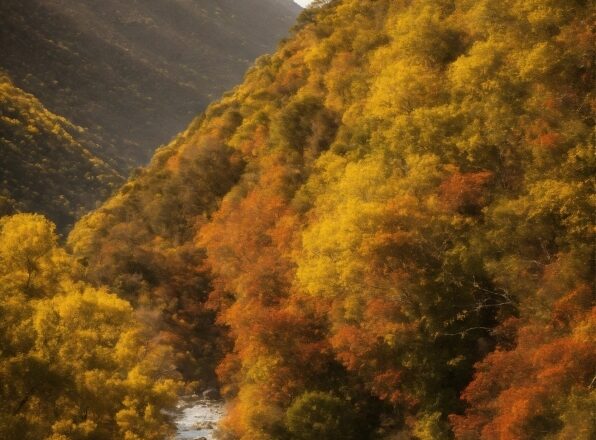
{"x":303,"y":2}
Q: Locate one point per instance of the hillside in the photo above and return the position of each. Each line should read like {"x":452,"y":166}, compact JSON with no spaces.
{"x":45,"y":161}
{"x":134,"y":73}
{"x":384,"y":232}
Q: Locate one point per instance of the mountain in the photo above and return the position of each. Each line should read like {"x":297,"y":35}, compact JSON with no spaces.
{"x":134,"y":73}
{"x":46,"y":163}
{"x":385,"y":231}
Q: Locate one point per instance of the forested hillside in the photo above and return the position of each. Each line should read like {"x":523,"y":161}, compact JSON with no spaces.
{"x":385,"y":232}
{"x":46,"y":163}
{"x":134,"y":73}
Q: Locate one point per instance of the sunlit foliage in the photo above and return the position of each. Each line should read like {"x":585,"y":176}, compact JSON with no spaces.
{"x":75,"y":361}
{"x":392,"y":219}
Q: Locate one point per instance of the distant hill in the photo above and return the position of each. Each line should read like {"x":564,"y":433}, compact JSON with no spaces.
{"x":45,"y":161}
{"x":135,"y":72}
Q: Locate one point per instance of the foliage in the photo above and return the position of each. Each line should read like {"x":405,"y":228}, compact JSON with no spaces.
{"x":320,"y":415}
{"x":45,"y":162}
{"x":75,"y":361}
{"x":392,"y":214}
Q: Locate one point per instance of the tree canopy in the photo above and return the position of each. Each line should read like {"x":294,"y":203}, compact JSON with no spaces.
{"x":76,"y":362}
{"x":391,"y":219}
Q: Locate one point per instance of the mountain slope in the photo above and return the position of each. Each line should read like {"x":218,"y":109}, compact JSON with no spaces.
{"x":392,"y":219}
{"x":45,"y":161}
{"x":133,"y":73}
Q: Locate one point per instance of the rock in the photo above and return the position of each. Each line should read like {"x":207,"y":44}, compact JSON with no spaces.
{"x":211,"y":394}
{"x":204,"y":425}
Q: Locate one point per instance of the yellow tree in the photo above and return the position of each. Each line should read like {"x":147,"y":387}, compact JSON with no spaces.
{"x":75,"y":363}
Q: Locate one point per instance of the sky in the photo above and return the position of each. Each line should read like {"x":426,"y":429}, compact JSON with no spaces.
{"x":303,"y":2}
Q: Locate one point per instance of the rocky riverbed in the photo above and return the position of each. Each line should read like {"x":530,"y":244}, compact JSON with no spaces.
{"x":197,"y":418}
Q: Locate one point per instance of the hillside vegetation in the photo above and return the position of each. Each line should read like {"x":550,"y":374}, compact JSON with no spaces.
{"x":384,"y":233}
{"x":46,"y":162}
{"x":134,"y":73}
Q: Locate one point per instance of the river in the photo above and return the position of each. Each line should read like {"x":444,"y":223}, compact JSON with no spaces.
{"x":197,"y":418}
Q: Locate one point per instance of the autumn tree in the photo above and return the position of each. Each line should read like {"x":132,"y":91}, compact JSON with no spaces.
{"x":390,"y":218}
{"x":75,"y":362}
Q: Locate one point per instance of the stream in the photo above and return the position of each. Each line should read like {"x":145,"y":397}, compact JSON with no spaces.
{"x":197,"y":418}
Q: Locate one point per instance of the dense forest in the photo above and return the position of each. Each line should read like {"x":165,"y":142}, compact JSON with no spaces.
{"x":385,"y":232}
{"x":46,"y":163}
{"x":76,"y":362}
